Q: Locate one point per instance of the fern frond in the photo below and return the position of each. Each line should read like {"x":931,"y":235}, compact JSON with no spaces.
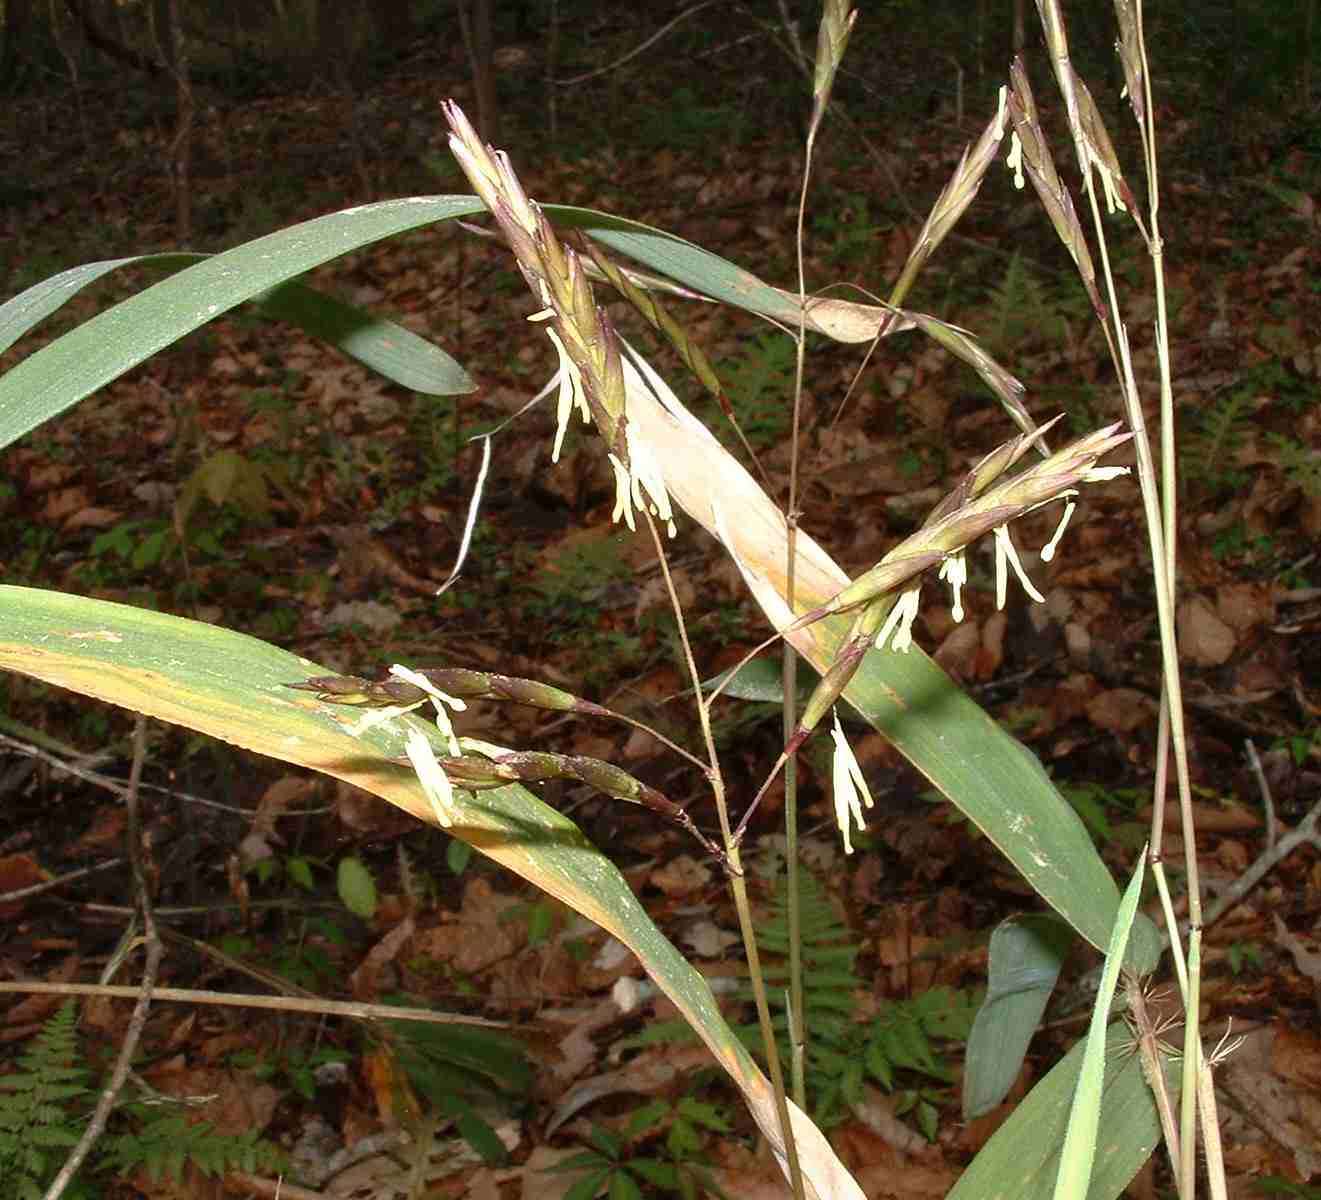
{"x":165,"y":1143}
{"x":35,"y":1122}
{"x":1301,"y":465}
{"x":1208,"y":451}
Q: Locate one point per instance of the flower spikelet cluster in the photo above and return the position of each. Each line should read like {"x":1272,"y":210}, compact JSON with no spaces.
{"x":590,"y":375}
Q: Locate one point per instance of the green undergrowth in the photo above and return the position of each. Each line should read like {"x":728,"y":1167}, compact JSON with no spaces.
{"x":45,"y":1101}
{"x":899,"y":1047}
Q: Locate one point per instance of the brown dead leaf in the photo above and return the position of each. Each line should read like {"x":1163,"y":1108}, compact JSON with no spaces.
{"x":540,"y":1181}
{"x":1104,"y":572}
{"x":891,"y":472}
{"x":612,"y":961}
{"x":1305,"y":957}
{"x":1245,"y":605}
{"x":106,"y":832}
{"x":34,"y":1009}
{"x":276,"y":800}
{"x":992,"y":651}
{"x":1233,"y":856}
{"x":707,"y":940}
{"x":1204,"y":639}
{"x":651,"y":1073}
{"x":364,"y":559}
{"x":654,"y":594}
{"x":396,"y":1103}
{"x":94,"y":518}
{"x":362,"y":812}
{"x":958,"y":652}
{"x":64,"y":503}
{"x":45,"y":475}
{"x":476,"y":937}
{"x":1120,"y":710}
{"x":362,"y":982}
{"x":1259,"y":678}
{"x":1296,"y":1056}
{"x":18,"y":871}
{"x":681,"y":876}
{"x":1078,"y":642}
{"x":1250,"y":1082}
{"x":907,"y":1181}
{"x":640,"y":744}
{"x":762,"y":1180}
{"x":929,"y":406}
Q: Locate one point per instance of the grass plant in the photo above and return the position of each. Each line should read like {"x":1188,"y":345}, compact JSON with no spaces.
{"x":396,"y":736}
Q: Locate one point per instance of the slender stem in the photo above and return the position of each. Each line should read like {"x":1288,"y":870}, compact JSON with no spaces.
{"x":1306,"y":832}
{"x":789,"y":673}
{"x":1153,"y":1068}
{"x":137,"y":1022}
{"x":50,"y":884}
{"x":318,"y":1007}
{"x":737,"y":881}
{"x":1192,"y":1066}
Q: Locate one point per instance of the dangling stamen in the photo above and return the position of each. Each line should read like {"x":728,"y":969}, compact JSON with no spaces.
{"x":954,"y":571}
{"x":850,"y":786}
{"x":900,"y":621}
{"x":1048,"y":550}
{"x":435,"y":783}
{"x":1005,"y":554}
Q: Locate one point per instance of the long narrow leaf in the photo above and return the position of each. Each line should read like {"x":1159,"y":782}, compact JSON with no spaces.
{"x":989,"y":775}
{"x":100,"y":350}
{"x":389,"y":349}
{"x":232,"y":687}
{"x":1022,"y":1159}
{"x":1079,"y":1153}
{"x":1023,"y":964}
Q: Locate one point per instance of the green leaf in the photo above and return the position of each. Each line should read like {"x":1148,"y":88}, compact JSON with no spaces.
{"x":605,"y":1141}
{"x":879,"y":1065}
{"x":299,"y":870}
{"x":398,"y":354}
{"x":624,"y":1187}
{"x":357,"y":888}
{"x":540,"y":922}
{"x":457,"y":856}
{"x":994,"y":780}
{"x":233,"y":687}
{"x":680,"y":259}
{"x":100,"y":350}
{"x":389,"y":349}
{"x":701,"y":1113}
{"x":646,"y":1117}
{"x":1079,"y":1150}
{"x":579,"y":1162}
{"x":1022,"y":1158}
{"x":659,"y":1174}
{"x":1025,"y":958}
{"x":585,"y":1189}
{"x":906,"y":1045}
{"x":481,"y":1137}
{"x":103,"y":348}
{"x":761,"y":680}
{"x":439,"y":1057}
{"x":928,"y":1120}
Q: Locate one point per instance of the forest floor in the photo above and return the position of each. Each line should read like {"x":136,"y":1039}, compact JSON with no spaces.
{"x":353,"y":517}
